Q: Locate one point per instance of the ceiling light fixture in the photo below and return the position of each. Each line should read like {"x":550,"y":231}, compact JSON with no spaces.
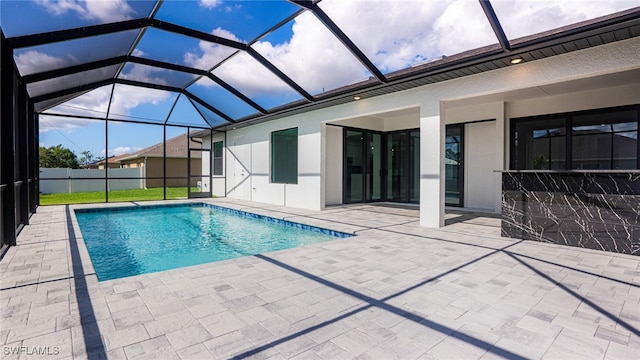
{"x":357,"y":97}
{"x":517,"y":60}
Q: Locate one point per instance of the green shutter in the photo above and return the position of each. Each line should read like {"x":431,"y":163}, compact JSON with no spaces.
{"x":284,"y":156}
{"x":217,"y":158}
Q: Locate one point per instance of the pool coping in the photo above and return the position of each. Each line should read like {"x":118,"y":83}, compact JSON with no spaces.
{"x":242,"y":213}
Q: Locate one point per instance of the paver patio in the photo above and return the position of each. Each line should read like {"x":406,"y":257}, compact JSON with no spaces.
{"x":396,"y":290}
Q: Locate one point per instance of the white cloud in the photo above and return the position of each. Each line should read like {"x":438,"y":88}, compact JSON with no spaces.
{"x":251,"y":78}
{"x":139,"y":53}
{"x":48,"y":123}
{"x":230,"y":8}
{"x":143,"y":73}
{"x":394,"y":35}
{"x":398,"y":34}
{"x":59,"y":7}
{"x":103,"y":10}
{"x":521,"y":18}
{"x":96,"y":102}
{"x":121,"y":150}
{"x":457,"y":33}
{"x":32,"y":61}
{"x":126,"y":98}
{"x":209,"y":4}
{"x":210,"y":54}
{"x":93,"y":103}
{"x":313,"y":57}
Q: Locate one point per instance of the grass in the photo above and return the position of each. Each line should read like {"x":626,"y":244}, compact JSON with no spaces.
{"x":115,"y":196}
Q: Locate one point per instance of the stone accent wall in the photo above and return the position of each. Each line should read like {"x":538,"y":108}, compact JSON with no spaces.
{"x":596,"y":209}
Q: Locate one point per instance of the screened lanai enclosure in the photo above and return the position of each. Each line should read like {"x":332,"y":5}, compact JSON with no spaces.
{"x":135,"y":87}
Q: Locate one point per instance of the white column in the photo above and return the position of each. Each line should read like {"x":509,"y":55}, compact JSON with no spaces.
{"x":323,"y":165}
{"x":432,"y":136}
{"x":500,"y":160}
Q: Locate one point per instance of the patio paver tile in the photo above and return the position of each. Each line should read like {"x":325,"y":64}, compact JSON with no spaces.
{"x":155,"y":348}
{"x":396,"y":290}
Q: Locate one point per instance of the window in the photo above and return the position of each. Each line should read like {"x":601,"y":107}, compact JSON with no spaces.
{"x":540,"y":144}
{"x":284,"y":156}
{"x":217,"y":158}
{"x":604,"y":139}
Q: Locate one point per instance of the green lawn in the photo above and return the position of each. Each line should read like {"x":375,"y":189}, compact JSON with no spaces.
{"x":114,"y":196}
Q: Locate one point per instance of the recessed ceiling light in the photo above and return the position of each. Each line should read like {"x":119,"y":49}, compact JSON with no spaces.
{"x":357,"y":97}
{"x":517,"y":60}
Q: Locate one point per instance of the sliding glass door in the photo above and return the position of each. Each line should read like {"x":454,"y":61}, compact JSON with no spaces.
{"x":381,"y":166}
{"x":414,"y":166}
{"x":373,"y":170}
{"x":403,"y":166}
{"x":353,"y":166}
{"x":454,"y":165}
{"x":386,"y":166}
{"x":363,"y":166}
{"x":397,"y":166}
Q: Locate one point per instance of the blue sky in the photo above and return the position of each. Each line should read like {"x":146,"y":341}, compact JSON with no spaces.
{"x":393,"y":34}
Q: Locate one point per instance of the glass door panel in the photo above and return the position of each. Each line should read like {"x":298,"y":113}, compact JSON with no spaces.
{"x":373,"y":177}
{"x":414,"y":164}
{"x":397,"y":157}
{"x":454,"y":165}
{"x":353,"y":166}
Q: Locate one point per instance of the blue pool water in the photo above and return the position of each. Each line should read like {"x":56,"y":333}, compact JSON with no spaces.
{"x":138,"y":240}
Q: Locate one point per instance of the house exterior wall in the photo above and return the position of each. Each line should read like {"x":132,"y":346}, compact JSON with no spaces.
{"x":111,"y":166}
{"x":334,"y":162}
{"x":132,"y":164}
{"x":502,"y":111}
{"x":479,"y":163}
{"x":248,"y":164}
{"x":176,"y":167}
{"x":544,"y":86}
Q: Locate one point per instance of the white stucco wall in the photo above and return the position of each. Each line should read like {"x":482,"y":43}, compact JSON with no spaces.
{"x":250,"y":151}
{"x":333,"y":162}
{"x":479,"y":165}
{"x":484,"y":155}
{"x":248,"y":164}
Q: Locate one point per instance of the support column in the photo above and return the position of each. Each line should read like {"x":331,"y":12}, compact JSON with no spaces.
{"x":8,"y":100}
{"x":432,"y":171}
{"x":22,"y":153}
{"x":500,"y":160}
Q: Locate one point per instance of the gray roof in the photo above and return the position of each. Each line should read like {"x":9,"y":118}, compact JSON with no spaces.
{"x":176,"y":148}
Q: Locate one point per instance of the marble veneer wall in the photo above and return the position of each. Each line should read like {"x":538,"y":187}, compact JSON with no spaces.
{"x":591,"y":209}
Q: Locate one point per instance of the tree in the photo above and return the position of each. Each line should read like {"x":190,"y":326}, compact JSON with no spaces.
{"x":58,"y":157}
{"x":87,"y":157}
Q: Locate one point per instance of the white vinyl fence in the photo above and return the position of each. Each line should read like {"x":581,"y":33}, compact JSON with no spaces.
{"x":77,"y":180}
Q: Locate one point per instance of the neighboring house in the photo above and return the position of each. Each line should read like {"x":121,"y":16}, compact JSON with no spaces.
{"x":113,"y":162}
{"x":151,"y":161}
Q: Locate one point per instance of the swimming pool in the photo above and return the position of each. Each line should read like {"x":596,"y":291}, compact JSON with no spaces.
{"x":126,"y":241}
